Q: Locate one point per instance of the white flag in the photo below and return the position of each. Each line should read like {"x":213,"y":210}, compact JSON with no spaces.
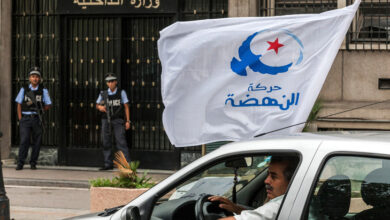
{"x":235,"y":78}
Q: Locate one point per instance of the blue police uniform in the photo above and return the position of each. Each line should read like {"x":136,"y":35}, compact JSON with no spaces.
{"x":116,"y":101}
{"x":30,"y":124}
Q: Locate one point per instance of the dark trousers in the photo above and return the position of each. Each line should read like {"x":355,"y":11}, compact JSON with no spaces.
{"x":118,"y":130}
{"x":29,"y":127}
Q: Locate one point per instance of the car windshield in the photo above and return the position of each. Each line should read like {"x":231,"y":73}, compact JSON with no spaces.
{"x":219,"y":179}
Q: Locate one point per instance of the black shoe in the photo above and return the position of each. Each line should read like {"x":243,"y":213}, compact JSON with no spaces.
{"x":107,"y":168}
{"x":19,"y":167}
{"x":33,"y":166}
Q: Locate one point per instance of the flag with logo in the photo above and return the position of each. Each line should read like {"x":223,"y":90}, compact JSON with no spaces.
{"x":235,"y":78}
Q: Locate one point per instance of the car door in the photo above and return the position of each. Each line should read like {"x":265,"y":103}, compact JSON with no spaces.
{"x":347,"y":180}
{"x":306,"y":149}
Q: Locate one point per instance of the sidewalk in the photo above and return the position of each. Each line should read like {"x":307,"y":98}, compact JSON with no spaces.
{"x":65,"y":176}
{"x":55,"y":192}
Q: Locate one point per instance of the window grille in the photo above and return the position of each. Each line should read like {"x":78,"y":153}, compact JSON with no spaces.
{"x":370,"y":29}
{"x":288,"y":7}
{"x":371,"y":26}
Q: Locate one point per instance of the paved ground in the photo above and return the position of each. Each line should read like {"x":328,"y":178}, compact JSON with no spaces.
{"x":54,"y":192}
{"x":35,"y":202}
{"x":65,"y":176}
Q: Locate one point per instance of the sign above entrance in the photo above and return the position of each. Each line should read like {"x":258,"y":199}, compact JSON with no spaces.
{"x":115,"y":6}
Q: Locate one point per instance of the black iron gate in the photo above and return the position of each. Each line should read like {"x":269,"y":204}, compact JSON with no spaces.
{"x":126,"y":46}
{"x":36,"y":42}
{"x":90,"y":46}
{"x":141,"y":72}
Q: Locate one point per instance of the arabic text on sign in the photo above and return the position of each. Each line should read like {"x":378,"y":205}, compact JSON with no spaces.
{"x":136,"y":3}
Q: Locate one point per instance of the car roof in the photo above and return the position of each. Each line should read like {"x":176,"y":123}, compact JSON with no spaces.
{"x":358,"y":141}
{"x":383,"y":136}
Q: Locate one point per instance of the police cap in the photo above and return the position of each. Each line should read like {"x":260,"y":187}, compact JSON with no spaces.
{"x":110,"y":76}
{"x":35,"y":71}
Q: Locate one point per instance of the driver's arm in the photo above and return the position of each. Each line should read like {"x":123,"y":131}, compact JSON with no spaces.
{"x":226,"y":204}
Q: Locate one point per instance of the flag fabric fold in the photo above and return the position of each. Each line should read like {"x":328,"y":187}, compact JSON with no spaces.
{"x":233,"y":78}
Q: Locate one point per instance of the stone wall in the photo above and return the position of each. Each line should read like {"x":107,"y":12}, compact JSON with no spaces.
{"x":354,"y":76}
{"x":352,"y":83}
{"x":47,"y":156}
{"x":5,"y":76}
{"x":243,"y":8}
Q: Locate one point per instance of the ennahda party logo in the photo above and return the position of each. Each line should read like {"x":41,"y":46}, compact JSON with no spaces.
{"x":268,"y":52}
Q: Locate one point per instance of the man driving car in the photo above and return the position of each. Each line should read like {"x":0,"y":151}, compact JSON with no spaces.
{"x":280,"y":172}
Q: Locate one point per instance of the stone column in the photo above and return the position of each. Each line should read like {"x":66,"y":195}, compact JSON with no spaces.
{"x":342,"y":4}
{"x":243,"y":8}
{"x":5,"y":75}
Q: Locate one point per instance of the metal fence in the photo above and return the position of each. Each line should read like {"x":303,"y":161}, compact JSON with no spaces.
{"x":369,"y":30}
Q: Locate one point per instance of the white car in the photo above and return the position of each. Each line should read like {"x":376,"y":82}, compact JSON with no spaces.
{"x":337,"y":178}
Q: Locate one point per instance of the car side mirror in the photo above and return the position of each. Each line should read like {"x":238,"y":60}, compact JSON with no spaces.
{"x":240,"y":162}
{"x":131,"y":213}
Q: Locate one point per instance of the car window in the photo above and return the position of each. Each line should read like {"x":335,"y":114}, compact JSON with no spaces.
{"x":352,"y":187}
{"x":218,"y":180}
{"x":189,"y":199}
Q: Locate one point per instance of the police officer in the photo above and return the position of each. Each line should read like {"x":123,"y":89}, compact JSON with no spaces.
{"x":32,"y":100}
{"x":113,"y":103}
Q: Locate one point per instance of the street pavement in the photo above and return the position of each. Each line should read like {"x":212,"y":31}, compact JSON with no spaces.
{"x":54,"y":192}
{"x":37,"y":203}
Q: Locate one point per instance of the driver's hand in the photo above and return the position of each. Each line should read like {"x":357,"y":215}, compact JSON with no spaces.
{"x":225,"y":203}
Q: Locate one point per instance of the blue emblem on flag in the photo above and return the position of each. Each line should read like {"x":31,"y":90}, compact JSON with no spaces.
{"x":248,"y":58}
